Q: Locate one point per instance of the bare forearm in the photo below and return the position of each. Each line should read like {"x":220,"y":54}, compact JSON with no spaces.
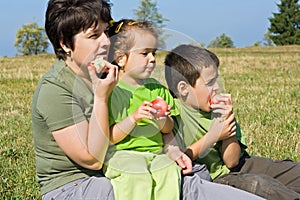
{"x":166,"y":126}
{"x":120,"y":130}
{"x":98,"y":133}
{"x":231,"y":152}
{"x":201,"y":147}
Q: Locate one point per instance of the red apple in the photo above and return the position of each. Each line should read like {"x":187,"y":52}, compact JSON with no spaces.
{"x":161,"y":107}
{"x":211,"y":101}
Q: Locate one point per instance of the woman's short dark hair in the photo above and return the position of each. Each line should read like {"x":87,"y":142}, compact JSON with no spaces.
{"x":66,"y":18}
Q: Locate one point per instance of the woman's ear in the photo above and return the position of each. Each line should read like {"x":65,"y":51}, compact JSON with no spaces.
{"x":65,"y":48}
{"x":182,"y":88}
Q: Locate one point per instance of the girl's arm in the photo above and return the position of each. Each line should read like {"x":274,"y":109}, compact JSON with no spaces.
{"x":174,"y":153}
{"x":165,"y":124}
{"x":121,"y":129}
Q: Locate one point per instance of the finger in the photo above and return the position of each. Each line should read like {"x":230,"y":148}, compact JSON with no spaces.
{"x":233,"y":134}
{"x":92,"y":74}
{"x":112,"y":72}
{"x":147,"y":103}
{"x":180,"y":163}
{"x":167,"y":113}
{"x":233,"y":128}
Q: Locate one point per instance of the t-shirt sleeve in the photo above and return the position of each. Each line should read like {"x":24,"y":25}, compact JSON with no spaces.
{"x":240,"y":135}
{"x":164,"y":93}
{"x":58,"y":107}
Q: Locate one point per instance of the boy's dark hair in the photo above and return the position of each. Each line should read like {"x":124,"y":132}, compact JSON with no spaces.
{"x":184,"y":63}
{"x":66,"y":18}
{"x":122,"y":39}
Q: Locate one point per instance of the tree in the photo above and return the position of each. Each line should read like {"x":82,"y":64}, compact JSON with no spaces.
{"x":31,"y":39}
{"x":222,"y":41}
{"x":267,"y":41}
{"x":148,"y":11}
{"x":284,"y":29}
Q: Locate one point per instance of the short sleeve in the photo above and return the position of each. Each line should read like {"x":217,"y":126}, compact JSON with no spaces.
{"x":58,"y":107}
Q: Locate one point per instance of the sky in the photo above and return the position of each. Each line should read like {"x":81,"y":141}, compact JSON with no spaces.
{"x":198,"y":21}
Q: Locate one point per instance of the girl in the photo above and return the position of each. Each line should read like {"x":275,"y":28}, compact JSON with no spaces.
{"x":136,"y":165}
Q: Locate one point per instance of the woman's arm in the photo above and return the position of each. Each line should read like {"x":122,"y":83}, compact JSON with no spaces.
{"x":86,"y":142}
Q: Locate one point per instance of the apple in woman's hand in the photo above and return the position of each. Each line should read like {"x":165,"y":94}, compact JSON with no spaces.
{"x":161,"y":107}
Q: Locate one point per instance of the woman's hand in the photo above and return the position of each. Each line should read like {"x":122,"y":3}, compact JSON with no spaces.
{"x":103,"y":87}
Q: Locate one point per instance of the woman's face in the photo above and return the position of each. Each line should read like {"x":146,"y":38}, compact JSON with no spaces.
{"x":91,"y":44}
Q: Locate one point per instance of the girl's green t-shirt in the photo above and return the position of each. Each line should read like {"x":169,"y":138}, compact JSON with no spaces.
{"x":124,"y":100}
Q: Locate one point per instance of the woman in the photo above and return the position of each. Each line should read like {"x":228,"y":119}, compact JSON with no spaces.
{"x":71,"y":135}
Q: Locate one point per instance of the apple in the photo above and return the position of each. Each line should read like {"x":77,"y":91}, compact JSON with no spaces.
{"x":211,"y":101}
{"x":161,"y":107}
{"x":98,"y":65}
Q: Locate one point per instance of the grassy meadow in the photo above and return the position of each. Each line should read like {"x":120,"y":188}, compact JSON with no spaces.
{"x":264,"y":83}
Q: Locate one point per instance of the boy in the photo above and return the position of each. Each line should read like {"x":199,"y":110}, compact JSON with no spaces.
{"x":191,"y":74}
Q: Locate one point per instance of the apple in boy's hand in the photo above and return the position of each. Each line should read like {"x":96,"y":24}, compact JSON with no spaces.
{"x":211,"y":101}
{"x":161,"y":107}
{"x":216,"y":100}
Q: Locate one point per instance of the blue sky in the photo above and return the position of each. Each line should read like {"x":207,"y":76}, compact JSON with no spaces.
{"x":245,"y":22}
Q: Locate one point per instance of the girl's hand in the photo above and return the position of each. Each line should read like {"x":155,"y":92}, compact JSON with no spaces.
{"x":162,"y":109}
{"x":182,"y":160}
{"x":144,"y":111}
{"x":103,"y":87}
{"x":165,"y":115}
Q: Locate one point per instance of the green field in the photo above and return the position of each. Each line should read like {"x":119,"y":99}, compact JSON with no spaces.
{"x":264,"y":83}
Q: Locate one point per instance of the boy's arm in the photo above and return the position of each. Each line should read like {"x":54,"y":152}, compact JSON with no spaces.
{"x":231,"y":152}
{"x":220,"y":130}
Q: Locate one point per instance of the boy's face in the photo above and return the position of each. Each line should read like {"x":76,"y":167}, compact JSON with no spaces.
{"x":206,"y":87}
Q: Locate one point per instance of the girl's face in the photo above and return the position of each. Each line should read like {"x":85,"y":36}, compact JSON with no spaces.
{"x":89,"y":45}
{"x":140,"y":61}
{"x":206,"y":87}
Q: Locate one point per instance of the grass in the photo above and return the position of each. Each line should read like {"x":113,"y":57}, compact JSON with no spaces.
{"x":263,"y":81}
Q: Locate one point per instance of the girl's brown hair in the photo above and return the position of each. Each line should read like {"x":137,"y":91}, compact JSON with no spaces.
{"x":122,"y":37}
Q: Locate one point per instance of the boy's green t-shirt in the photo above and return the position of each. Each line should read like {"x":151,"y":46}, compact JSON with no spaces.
{"x":124,"y":100}
{"x":193,"y":124}
{"x":61,"y":99}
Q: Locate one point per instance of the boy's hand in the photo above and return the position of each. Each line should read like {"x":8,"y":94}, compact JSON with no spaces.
{"x":224,"y":123}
